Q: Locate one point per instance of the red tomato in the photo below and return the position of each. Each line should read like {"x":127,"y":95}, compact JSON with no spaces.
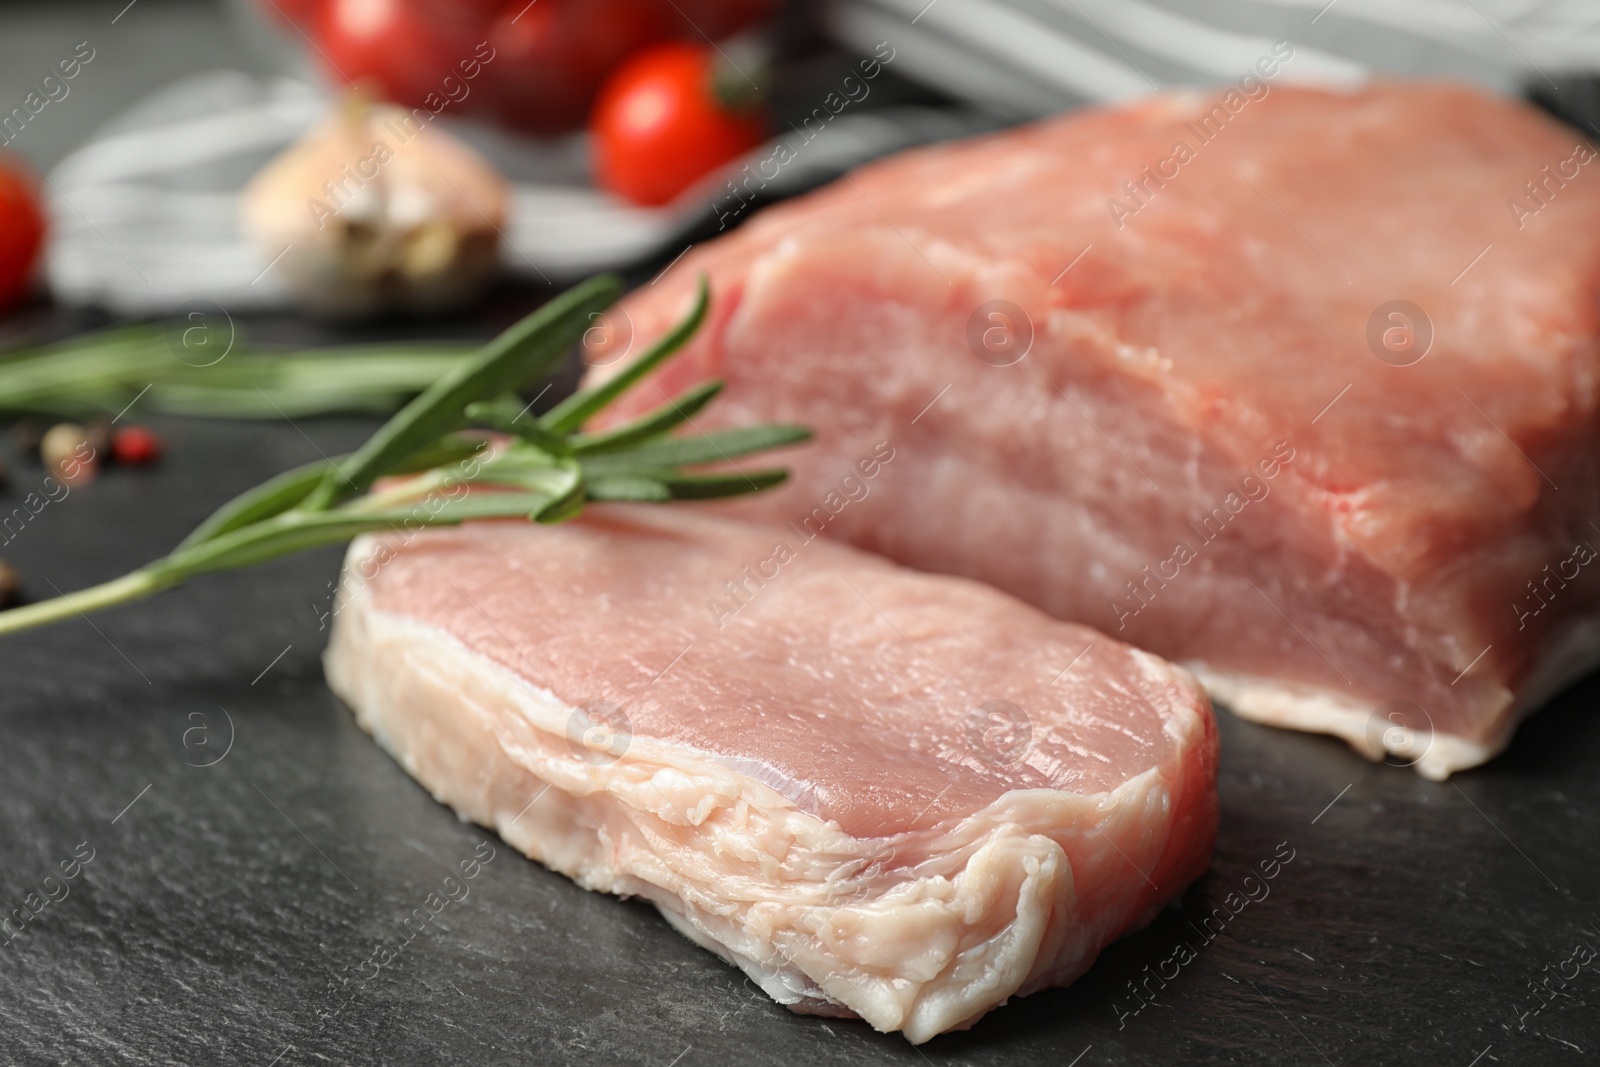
{"x":609,"y":31}
{"x":551,"y":56}
{"x":540,"y":82}
{"x":536,"y":64}
{"x":479,"y":12}
{"x":660,"y":124}
{"x":406,"y":50}
{"x":21,"y":232}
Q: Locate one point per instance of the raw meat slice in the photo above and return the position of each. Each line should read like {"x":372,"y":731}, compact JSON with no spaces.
{"x":834,"y":786}
{"x":1196,"y":418}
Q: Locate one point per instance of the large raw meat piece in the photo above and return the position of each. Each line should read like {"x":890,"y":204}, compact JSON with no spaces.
{"x":881,"y":793}
{"x":1299,"y":390}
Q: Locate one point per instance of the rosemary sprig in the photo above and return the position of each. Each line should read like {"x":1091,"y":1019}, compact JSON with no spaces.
{"x":435,"y":449}
{"x":101,"y":373}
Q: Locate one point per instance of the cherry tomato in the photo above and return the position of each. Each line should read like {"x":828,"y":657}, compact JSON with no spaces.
{"x":664,"y":121}
{"x":21,"y":232}
{"x":404,"y":49}
{"x":479,"y":12}
{"x":551,"y":57}
{"x":536,"y":65}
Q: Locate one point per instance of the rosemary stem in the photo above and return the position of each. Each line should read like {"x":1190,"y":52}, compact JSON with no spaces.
{"x":410,"y":490}
{"x":140,"y":583}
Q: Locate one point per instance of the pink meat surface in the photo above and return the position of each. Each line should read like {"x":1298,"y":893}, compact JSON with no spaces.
{"x":901,"y":796}
{"x":1194,"y":419}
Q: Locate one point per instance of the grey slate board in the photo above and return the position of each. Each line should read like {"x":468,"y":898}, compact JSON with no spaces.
{"x":220,"y":908}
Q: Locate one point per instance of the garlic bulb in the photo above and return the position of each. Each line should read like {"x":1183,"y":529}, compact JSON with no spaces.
{"x":376,"y":210}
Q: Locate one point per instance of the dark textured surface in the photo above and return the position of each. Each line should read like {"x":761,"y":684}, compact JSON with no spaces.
{"x":221,"y":908}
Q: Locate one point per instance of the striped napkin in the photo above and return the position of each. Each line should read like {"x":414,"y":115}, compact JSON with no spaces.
{"x":1026,"y":58}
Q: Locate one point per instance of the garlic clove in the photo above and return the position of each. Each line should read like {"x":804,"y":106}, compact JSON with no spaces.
{"x":376,"y":209}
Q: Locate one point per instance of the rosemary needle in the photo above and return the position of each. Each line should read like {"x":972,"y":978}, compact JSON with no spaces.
{"x":100,"y":373}
{"x":546,"y":472}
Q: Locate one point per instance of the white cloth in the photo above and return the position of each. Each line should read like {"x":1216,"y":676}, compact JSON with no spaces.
{"x":1026,"y":58}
